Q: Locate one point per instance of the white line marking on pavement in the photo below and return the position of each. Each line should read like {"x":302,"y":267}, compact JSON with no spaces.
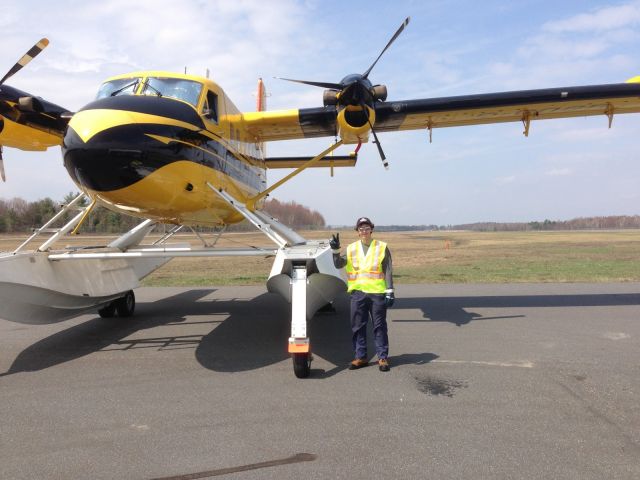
{"x":616,"y":335}
{"x":524,"y":364}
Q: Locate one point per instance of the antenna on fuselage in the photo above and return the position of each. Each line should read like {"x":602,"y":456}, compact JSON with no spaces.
{"x":185,"y":70}
{"x":207,"y":73}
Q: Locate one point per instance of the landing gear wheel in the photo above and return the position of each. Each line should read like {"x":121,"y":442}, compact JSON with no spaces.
{"x":126,"y":305}
{"x":302,"y":364}
{"x":108,"y":311}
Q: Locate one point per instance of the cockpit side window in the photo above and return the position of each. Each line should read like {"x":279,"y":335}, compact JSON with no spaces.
{"x":211,"y":107}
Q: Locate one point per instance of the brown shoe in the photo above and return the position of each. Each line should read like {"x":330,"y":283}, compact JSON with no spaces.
{"x":358,"y":363}
{"x":383,"y":365}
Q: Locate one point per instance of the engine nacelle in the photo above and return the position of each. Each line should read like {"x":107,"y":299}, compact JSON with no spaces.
{"x":354,"y":123}
{"x":30,"y":104}
{"x":330,"y":97}
{"x":26,"y":138}
{"x":379,"y":92}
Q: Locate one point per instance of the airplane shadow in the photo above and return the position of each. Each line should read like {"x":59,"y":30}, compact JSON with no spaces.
{"x":254,"y":332}
{"x":257,"y":337}
{"x":456,"y":310}
{"x":99,"y":333}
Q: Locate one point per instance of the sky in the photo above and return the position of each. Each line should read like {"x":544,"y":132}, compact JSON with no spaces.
{"x":565,"y":168}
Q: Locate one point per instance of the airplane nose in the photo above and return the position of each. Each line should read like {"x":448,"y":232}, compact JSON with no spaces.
{"x":88,"y":123}
{"x":113,"y":142}
{"x":101,"y":149}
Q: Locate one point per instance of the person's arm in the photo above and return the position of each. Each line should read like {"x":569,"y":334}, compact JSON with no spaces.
{"x":387,"y":268}
{"x":338,"y":260}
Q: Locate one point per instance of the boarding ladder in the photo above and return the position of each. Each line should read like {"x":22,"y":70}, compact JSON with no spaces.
{"x":58,"y":232}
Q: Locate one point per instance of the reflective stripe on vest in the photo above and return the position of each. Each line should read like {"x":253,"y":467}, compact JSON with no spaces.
{"x":364,"y":272}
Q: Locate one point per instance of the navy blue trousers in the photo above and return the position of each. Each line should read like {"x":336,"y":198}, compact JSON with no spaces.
{"x":363,"y":306}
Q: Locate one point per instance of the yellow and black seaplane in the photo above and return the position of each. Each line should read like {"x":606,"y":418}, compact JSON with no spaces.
{"x":172,"y":148}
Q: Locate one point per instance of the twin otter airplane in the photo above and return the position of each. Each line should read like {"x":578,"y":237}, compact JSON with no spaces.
{"x":172,"y":148}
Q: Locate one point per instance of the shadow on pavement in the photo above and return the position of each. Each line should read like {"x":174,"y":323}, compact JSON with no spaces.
{"x":98,"y":333}
{"x":455,"y":309}
{"x":255,"y":332}
{"x":255,"y":335}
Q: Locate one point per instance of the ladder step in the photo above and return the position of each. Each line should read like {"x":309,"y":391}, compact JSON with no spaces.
{"x":48,"y":230}
{"x":77,"y":208}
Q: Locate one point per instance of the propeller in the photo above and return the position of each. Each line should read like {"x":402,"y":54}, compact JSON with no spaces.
{"x":357,"y":90}
{"x":2,"y":175}
{"x":355,"y":84}
{"x":26,"y":58}
{"x":393,"y":39}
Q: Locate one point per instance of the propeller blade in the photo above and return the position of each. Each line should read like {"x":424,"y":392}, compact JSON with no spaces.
{"x":380,"y":151}
{"x":383,"y":157}
{"x":395,"y":35}
{"x":26,"y":58}
{"x":334,"y":86}
{"x":2,"y":175}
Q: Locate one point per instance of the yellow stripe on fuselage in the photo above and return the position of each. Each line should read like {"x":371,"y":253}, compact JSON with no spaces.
{"x":88,"y":123}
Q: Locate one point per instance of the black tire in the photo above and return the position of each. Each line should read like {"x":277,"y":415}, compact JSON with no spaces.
{"x":302,"y":364}
{"x":108,"y":311}
{"x":126,"y":305}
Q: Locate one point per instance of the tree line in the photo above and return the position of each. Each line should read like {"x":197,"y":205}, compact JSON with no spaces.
{"x":18,"y":216}
{"x":613,"y":222}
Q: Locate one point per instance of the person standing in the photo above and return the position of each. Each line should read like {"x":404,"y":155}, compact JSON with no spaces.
{"x":370,"y":283}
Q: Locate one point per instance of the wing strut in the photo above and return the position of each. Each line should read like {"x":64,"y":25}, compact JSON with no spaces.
{"x":280,"y":234}
{"x":310,"y":163}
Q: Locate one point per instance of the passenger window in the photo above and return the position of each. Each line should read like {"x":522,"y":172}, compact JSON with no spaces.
{"x":211,"y":107}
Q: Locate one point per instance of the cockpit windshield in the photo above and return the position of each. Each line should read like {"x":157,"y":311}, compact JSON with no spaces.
{"x":185,"y":90}
{"x":178,"y":88}
{"x":123,"y":86}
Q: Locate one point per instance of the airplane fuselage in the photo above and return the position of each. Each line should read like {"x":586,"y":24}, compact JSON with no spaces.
{"x":154,"y":143}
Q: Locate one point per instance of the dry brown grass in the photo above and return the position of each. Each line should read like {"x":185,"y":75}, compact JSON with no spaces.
{"x":432,"y":257}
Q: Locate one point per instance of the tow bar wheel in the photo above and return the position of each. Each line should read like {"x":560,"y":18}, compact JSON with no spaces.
{"x":301,"y":364}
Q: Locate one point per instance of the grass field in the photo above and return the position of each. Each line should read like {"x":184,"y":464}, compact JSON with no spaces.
{"x":431,"y":257}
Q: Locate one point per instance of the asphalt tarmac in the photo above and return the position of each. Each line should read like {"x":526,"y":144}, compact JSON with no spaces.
{"x":513,"y":381}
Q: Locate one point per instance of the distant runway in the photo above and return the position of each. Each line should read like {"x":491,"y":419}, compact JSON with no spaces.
{"x":487,"y":381}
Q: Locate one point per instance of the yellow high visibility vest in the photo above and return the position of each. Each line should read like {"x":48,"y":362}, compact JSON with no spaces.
{"x":364,"y":272}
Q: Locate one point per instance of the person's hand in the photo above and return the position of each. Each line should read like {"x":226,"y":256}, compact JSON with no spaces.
{"x":334,"y":243}
{"x":389,"y":299}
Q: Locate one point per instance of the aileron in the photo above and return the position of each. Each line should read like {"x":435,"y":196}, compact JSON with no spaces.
{"x":509,"y":107}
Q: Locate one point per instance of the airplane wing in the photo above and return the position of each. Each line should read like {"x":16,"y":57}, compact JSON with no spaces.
{"x":28,"y":122}
{"x":526,"y":105}
{"x":273,"y":125}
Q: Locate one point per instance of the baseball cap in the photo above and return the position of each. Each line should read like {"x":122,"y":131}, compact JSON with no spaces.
{"x":364,"y":221}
